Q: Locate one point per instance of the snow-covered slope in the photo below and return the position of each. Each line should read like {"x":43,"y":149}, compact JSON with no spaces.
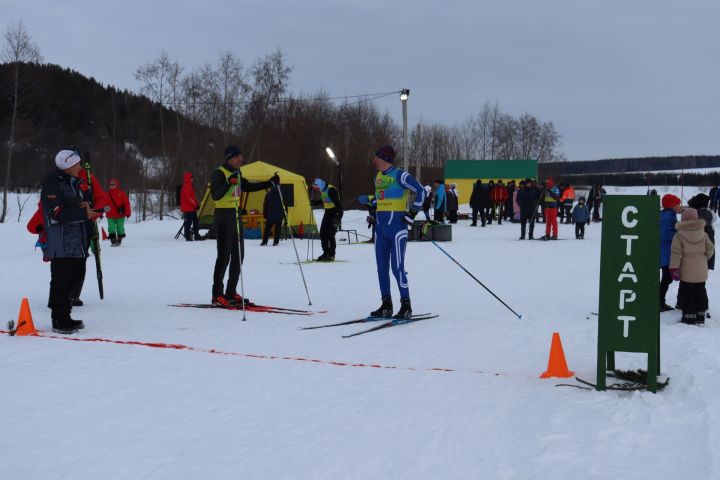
{"x":99,"y":410}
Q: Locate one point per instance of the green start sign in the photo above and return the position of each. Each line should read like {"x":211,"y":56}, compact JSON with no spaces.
{"x":629,"y":316}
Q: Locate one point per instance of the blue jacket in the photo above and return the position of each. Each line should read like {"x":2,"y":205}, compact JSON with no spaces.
{"x":668,"y":219}
{"x":391,"y":219}
{"x":65,"y":221}
{"x":581,"y":213}
{"x":440,"y":198}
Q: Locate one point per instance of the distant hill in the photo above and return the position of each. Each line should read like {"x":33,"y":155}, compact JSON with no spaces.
{"x":64,"y":108}
{"x":623,"y":165}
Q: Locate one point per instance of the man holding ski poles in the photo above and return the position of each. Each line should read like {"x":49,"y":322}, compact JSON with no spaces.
{"x":65,"y":215}
{"x":391,"y":222}
{"x":226,"y":187}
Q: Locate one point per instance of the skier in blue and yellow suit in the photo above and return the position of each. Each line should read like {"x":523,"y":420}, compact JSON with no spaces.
{"x":391,"y":227}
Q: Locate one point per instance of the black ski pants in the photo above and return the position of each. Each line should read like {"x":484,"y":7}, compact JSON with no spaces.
{"x":526,"y":219}
{"x":665,"y":282}
{"x":191,"y":225}
{"x":579,"y":229}
{"x":268,"y":227}
{"x":79,"y":280}
{"x":489,"y":214}
{"x":694,"y":300}
{"x":475,"y":212}
{"x":229,"y":251}
{"x":328,"y":227}
{"x":63,"y":274}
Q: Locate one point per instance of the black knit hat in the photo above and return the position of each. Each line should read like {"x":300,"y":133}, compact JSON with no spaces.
{"x":387,"y":153}
{"x":231,"y":151}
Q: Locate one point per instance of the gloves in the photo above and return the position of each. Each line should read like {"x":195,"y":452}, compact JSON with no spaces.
{"x":675,"y":273}
{"x":337,"y":223}
{"x":233,"y":179}
{"x":409,"y":217}
{"x":275,"y":180}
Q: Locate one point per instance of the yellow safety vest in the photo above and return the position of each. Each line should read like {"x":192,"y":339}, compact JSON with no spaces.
{"x":390,"y":195}
{"x":327,"y":201}
{"x":232,"y":196}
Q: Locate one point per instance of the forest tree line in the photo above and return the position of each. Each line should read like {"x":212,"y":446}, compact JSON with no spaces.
{"x":180,"y":119}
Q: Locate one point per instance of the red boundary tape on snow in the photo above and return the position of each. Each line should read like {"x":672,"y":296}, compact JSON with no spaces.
{"x":175,"y":346}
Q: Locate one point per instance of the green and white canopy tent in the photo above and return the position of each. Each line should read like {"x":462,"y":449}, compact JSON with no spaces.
{"x":464,"y":173}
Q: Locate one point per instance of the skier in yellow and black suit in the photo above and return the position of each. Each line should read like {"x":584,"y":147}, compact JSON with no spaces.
{"x":331,"y":219}
{"x":226,"y":187}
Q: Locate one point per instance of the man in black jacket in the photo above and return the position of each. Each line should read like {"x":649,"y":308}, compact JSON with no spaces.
{"x":273,"y":214}
{"x":226,"y":188}
{"x":331,"y":218}
{"x":478,"y":201}
{"x":527,"y":198}
{"x":65,"y":215}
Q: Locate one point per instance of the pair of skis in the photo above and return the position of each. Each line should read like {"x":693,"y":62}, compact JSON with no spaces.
{"x":387,"y":323}
{"x":251,"y":307}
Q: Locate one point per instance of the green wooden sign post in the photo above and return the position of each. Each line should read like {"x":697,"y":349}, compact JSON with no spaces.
{"x":629,"y":315}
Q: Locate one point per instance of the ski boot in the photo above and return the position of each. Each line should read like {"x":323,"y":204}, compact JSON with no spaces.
{"x":321,"y":258}
{"x":76,"y":302}
{"x":66,"y":327}
{"x":221,"y":301}
{"x":385,"y":310}
{"x":78,"y":324}
{"x":405,"y":311}
{"x":238,"y":300}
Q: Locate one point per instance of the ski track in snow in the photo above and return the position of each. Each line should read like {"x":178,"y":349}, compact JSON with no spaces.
{"x":92,"y":410}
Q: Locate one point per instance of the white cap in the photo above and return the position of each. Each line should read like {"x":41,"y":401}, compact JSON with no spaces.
{"x":66,"y":159}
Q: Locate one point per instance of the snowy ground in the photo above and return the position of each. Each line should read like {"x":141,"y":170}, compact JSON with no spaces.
{"x":80,"y":410}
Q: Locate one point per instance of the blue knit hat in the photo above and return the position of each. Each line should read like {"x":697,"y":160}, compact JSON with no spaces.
{"x":231,"y":151}
{"x":387,"y":153}
{"x":319,"y":183}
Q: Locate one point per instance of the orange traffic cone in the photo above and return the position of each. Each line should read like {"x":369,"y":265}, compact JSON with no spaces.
{"x":104,"y":233}
{"x":557,"y":366}
{"x":25,"y":325}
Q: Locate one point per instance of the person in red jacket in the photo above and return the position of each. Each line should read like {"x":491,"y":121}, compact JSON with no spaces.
{"x":499,"y":196}
{"x":189,"y":207}
{"x":36,"y":226}
{"x":100,"y":201}
{"x":119,"y":211}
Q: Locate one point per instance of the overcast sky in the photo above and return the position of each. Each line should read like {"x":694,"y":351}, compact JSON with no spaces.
{"x":617,"y":77}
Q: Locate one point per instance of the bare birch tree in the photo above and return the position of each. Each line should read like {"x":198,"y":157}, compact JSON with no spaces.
{"x":18,"y":50}
{"x":157,"y":79}
{"x":270,"y":80}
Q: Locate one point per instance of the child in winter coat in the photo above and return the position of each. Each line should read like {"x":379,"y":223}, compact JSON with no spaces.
{"x":36,"y":225}
{"x":581,"y":216}
{"x":690,"y":251}
{"x":671,"y":205}
{"x":119,"y":211}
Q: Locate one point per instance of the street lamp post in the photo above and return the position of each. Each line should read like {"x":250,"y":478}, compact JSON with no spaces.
{"x":334,"y":159}
{"x":404,"y":94}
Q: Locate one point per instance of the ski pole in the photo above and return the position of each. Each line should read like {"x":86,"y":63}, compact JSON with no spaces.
{"x":292,"y":238}
{"x":473,"y":276}
{"x":240,"y":247}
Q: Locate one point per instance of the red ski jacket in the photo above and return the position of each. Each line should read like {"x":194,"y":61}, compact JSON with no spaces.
{"x":188,"y":200}
{"x":100,"y":197}
{"x":499,"y":194}
{"x":119,"y":202}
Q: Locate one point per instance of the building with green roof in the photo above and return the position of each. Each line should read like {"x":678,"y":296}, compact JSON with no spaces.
{"x":464,"y":173}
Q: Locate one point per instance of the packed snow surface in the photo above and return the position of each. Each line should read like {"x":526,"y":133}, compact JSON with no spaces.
{"x":83,"y":410}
